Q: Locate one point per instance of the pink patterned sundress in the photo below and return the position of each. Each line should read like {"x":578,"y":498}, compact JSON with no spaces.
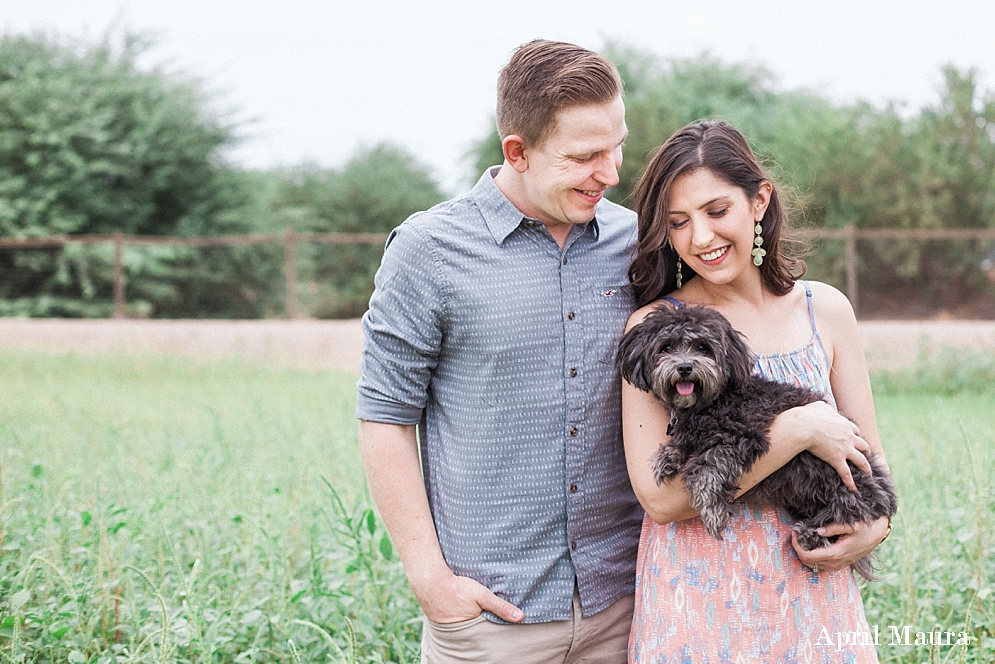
{"x":746,"y":599}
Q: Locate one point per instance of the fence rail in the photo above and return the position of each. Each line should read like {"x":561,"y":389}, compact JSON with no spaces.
{"x":290,"y":239}
{"x":849,"y":234}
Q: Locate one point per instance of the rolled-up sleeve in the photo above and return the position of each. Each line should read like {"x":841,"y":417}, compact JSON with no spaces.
{"x":402,"y":332}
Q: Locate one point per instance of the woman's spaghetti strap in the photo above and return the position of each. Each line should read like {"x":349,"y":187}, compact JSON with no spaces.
{"x":811,"y":311}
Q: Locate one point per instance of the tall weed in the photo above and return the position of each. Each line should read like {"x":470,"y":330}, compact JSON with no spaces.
{"x":937,"y":566}
{"x":168,"y":511}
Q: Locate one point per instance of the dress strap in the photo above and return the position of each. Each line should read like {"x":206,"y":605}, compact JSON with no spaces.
{"x":676,"y":303}
{"x":811,"y":312}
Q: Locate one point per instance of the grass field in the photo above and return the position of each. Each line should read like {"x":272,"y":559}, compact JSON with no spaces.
{"x":166,"y":510}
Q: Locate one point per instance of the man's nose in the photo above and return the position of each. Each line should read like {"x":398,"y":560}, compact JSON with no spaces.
{"x":607,"y":173}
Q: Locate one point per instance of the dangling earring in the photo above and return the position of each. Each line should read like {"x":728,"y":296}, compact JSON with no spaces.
{"x":758,"y":251}
{"x":680,"y":277}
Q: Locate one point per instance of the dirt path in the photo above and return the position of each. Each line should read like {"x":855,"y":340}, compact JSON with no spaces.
{"x":303,"y":344}
{"x":893,"y":344}
{"x":337,"y":344}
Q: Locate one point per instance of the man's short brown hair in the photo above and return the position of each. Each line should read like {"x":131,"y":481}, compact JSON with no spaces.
{"x":543,"y":78}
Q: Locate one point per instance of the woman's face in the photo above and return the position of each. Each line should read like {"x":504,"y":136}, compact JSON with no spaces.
{"x":712,"y":224}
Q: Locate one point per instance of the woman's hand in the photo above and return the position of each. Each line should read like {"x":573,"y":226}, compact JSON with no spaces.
{"x":827,"y":435}
{"x":855,"y":541}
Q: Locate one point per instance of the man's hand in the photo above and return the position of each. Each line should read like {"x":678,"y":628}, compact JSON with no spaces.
{"x":457,"y":598}
{"x":855,"y":541}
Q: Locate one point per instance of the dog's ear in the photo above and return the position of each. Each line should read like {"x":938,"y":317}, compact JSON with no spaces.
{"x":738,"y":358}
{"x":634,"y":359}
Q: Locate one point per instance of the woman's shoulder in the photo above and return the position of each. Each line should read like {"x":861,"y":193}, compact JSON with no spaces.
{"x":834,"y":317}
{"x":828,"y":300}
{"x":639,"y":315}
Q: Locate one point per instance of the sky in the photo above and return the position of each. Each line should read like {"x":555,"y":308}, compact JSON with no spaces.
{"x":315,"y":81}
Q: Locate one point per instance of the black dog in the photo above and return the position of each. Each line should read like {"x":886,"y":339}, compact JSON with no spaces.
{"x":694,"y":363}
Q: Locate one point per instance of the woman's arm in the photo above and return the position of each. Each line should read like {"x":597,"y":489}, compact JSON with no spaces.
{"x":644,"y":429}
{"x":852,"y":389}
{"x":816,"y":428}
{"x":848,"y":376}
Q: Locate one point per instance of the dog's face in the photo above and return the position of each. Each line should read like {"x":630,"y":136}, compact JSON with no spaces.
{"x":685,"y":357}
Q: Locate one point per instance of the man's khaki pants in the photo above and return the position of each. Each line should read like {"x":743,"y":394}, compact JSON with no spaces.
{"x":600,"y":639}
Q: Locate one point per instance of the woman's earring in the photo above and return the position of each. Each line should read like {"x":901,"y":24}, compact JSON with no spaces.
{"x":680,"y":277}
{"x":758,"y":251}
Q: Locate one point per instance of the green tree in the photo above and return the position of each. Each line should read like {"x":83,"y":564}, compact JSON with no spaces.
{"x":662,"y":95}
{"x":373,"y":193}
{"x":89,"y":143}
{"x":839,"y":164}
{"x":934,"y":170}
{"x":92,"y":143}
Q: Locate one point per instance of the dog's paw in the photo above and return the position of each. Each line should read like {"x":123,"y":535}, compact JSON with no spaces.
{"x":666,"y":465}
{"x":715,"y":518}
{"x":666,"y":471}
{"x":809,"y":538}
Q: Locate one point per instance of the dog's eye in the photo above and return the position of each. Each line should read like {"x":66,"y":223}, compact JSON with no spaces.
{"x":666,"y":348}
{"x":704,"y":348}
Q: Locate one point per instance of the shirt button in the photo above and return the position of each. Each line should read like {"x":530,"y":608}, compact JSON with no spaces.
{"x":564,"y":260}
{"x":570,"y":315}
{"x":573,"y":488}
{"x":573,"y":373}
{"x":573,"y":546}
{"x":573,"y":431}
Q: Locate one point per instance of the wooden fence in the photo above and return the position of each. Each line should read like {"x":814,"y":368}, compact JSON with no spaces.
{"x":290,"y":239}
{"x":850,"y":235}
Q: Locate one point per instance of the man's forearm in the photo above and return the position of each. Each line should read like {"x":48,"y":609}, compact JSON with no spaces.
{"x":393,"y":471}
{"x":390,"y":455}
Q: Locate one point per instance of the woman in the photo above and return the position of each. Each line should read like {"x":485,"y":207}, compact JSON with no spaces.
{"x":710,"y":233}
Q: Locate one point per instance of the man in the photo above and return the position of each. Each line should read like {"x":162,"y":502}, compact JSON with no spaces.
{"x":492,"y":332}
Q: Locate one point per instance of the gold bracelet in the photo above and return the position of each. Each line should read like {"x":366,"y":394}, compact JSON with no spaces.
{"x":886,"y":533}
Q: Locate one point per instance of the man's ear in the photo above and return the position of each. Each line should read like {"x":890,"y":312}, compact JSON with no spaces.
{"x":513,"y":147}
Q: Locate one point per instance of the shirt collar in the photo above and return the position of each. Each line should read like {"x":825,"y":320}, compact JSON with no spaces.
{"x":500,"y":214}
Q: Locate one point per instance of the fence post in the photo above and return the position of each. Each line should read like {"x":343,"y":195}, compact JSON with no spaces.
{"x":851,"y":266}
{"x":119,"y":275}
{"x":290,"y":271}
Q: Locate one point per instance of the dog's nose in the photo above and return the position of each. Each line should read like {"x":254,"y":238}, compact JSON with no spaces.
{"x":685,"y":369}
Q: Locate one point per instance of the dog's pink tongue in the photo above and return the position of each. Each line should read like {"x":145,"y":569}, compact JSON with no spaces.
{"x":685,"y":388}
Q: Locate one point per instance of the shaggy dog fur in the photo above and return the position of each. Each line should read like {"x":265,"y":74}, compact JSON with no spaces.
{"x":701,"y":369}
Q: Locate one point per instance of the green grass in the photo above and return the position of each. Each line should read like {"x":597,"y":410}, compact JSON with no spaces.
{"x":162,"y":496}
{"x":164,"y":510}
{"x":938,"y":566}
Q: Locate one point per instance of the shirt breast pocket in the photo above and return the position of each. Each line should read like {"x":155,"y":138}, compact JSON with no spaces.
{"x":611,"y":308}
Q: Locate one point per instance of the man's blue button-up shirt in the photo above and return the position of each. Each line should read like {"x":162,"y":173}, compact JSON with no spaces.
{"x":501,"y":346}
